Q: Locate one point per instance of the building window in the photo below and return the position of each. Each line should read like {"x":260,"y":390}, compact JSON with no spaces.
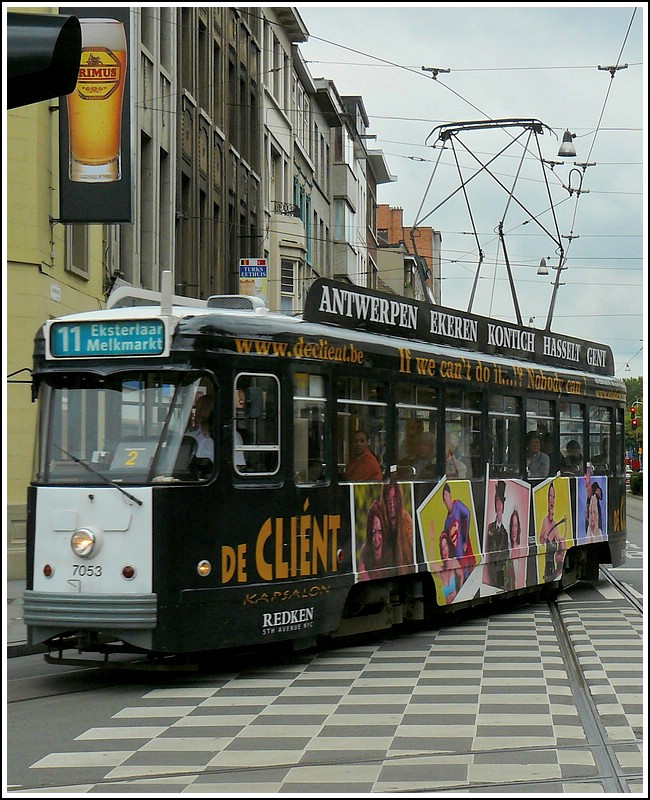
{"x":287,"y":286}
{"x":77,"y":250}
{"x":343,"y":216}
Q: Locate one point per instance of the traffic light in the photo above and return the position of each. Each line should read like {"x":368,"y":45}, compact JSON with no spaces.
{"x":634,"y":422}
{"x":43,"y":57}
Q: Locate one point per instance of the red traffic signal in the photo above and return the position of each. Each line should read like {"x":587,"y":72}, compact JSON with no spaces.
{"x":634,"y":423}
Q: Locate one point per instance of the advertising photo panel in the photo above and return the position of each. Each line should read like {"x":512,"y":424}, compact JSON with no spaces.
{"x":591,"y":509}
{"x":450,"y":540}
{"x":383,"y":526}
{"x":553,"y":526}
{"x":505,"y":544}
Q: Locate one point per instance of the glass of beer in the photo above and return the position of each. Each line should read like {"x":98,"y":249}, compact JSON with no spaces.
{"x":95,"y":106}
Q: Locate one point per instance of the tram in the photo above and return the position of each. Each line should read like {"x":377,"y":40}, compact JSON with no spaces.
{"x":212,"y":475}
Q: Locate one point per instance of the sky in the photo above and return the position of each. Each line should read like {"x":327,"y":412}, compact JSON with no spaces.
{"x":531,"y":61}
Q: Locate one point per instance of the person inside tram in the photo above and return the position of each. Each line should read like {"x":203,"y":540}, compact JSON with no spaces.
{"x":456,"y":468}
{"x":573,"y":463}
{"x":413,"y":428}
{"x":363,"y":464}
{"x":201,"y":431}
{"x":538,"y":463}
{"x":202,"y":428}
{"x":600,"y":461}
{"x":424,"y":461}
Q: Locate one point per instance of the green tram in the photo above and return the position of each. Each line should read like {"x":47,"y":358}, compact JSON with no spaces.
{"x":212,"y":475}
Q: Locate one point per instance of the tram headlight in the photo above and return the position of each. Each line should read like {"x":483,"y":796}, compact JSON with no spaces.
{"x":85,"y":543}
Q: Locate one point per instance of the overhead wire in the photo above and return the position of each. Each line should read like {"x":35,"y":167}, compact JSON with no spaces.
{"x":580,"y":191}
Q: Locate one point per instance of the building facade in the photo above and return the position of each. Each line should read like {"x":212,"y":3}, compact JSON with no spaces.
{"x":412,"y":243}
{"x":236,"y":152}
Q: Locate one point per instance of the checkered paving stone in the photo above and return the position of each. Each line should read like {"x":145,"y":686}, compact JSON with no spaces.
{"x":608,"y":642}
{"x":483,"y":703}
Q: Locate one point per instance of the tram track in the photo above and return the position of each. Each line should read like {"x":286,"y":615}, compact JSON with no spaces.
{"x":622,"y":589}
{"x":595,"y":731}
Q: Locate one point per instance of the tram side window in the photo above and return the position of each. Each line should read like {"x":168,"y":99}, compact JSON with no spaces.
{"x":309,"y":432}
{"x":540,"y":426}
{"x":416,"y":408}
{"x":504,"y":421}
{"x":619,"y":445}
{"x":600,"y":435}
{"x":572,"y":417}
{"x":462,"y":434}
{"x":256,"y":424}
{"x":361,"y":426}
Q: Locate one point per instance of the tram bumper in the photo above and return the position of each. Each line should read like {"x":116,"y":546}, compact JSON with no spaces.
{"x":129,"y":618}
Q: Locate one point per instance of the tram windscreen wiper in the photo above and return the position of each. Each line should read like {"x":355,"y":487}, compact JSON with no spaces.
{"x":99,"y":474}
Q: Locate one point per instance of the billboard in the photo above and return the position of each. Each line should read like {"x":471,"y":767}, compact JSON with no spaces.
{"x":95,"y":169}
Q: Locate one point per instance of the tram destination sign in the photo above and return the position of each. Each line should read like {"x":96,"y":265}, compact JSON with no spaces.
{"x":356,"y":308}
{"x":107,"y":338}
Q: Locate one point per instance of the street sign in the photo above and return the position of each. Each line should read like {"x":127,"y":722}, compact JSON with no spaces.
{"x":253,"y":277}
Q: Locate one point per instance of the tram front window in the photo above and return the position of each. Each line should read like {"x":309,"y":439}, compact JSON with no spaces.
{"x":132,"y":428}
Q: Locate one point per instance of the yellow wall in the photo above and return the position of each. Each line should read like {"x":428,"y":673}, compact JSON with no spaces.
{"x":34,"y":275}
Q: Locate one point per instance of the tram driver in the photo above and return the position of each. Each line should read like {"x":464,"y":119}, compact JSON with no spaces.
{"x":203,"y":460}
{"x":202,"y":430}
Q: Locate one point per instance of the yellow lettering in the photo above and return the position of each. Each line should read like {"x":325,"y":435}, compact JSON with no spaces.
{"x":264,"y":569}
{"x":281,"y":566}
{"x":294,"y":547}
{"x":319,"y":546}
{"x":334,"y":525}
{"x":228,"y":563}
{"x":305,"y":544}
{"x":241,"y":564}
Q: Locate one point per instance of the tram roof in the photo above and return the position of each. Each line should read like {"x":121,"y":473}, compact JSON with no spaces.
{"x":346,"y":312}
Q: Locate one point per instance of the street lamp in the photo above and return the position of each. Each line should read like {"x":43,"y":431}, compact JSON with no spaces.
{"x":567,"y":148}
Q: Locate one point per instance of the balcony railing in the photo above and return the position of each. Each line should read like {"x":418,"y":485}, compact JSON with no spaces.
{"x":286,"y":209}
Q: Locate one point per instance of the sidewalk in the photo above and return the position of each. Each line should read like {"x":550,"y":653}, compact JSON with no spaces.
{"x":14,"y":624}
{"x":15,"y":627}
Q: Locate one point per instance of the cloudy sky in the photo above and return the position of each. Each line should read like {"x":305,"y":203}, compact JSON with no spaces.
{"x":525,"y":61}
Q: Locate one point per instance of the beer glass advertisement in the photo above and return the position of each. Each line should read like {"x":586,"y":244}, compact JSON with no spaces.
{"x":95,"y":178}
